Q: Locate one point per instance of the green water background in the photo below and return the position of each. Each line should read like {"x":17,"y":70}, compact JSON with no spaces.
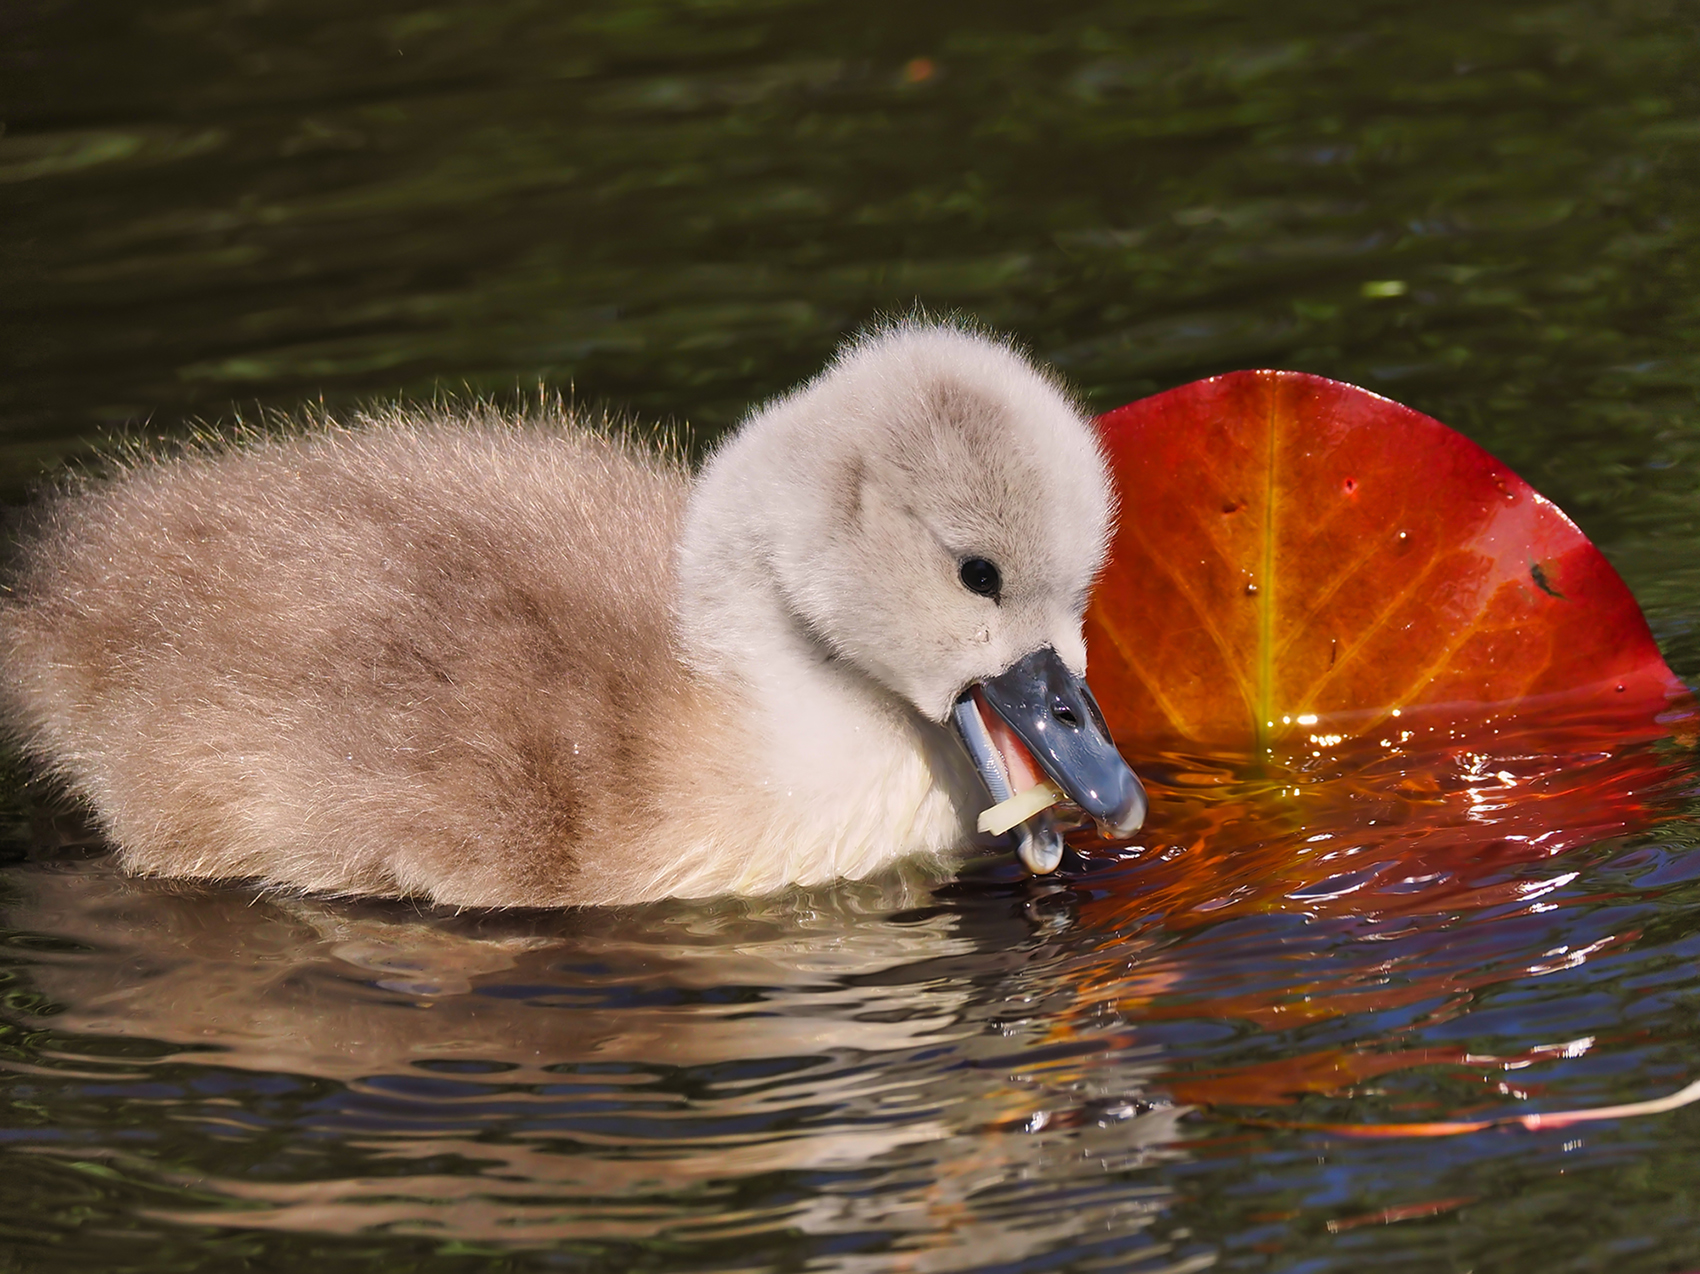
{"x":1490,"y":212}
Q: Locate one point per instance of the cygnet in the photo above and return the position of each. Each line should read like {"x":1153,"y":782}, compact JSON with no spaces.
{"x":488,"y":661}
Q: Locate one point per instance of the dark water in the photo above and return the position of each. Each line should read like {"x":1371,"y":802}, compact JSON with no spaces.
{"x":1491,"y":212}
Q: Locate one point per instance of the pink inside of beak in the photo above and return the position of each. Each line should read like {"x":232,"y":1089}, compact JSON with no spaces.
{"x":1018,"y":762}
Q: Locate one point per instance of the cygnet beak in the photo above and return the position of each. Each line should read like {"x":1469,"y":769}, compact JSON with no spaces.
{"x":1038,"y":711}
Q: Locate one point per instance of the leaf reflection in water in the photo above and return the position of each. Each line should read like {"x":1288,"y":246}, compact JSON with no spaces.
{"x":525,"y":1079}
{"x":1367,"y":835}
{"x":1424,"y":890}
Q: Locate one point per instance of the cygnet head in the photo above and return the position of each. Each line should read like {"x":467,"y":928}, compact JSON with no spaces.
{"x":931,"y":510}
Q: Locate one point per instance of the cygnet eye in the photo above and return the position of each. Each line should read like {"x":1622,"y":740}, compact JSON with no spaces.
{"x":980,"y":576}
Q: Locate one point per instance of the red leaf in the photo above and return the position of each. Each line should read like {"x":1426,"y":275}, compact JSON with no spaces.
{"x":1301,"y":564}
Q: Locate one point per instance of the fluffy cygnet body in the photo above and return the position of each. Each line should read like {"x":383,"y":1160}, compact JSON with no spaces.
{"x":490,"y":662}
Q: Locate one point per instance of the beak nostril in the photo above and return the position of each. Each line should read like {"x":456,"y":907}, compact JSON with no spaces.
{"x":1062,"y":712}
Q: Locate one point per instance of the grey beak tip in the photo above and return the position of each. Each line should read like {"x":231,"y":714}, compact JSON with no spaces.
{"x":1128,"y":823}
{"x":1131,"y":816}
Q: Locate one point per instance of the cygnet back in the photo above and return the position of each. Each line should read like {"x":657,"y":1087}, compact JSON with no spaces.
{"x":424,"y":656}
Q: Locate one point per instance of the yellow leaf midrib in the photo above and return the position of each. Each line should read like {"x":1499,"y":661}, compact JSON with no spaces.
{"x":1265,"y":706}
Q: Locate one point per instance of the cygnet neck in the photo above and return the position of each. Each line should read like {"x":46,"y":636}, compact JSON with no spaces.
{"x":735,"y":624}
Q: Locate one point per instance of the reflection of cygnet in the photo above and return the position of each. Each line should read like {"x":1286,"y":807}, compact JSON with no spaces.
{"x":821,"y":1032}
{"x":492,"y":663}
{"x":333,"y":989}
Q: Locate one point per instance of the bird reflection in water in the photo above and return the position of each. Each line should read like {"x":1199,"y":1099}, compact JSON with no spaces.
{"x":824,"y":1063}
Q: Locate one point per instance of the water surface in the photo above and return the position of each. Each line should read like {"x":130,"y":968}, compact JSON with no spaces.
{"x":1486,"y":211}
